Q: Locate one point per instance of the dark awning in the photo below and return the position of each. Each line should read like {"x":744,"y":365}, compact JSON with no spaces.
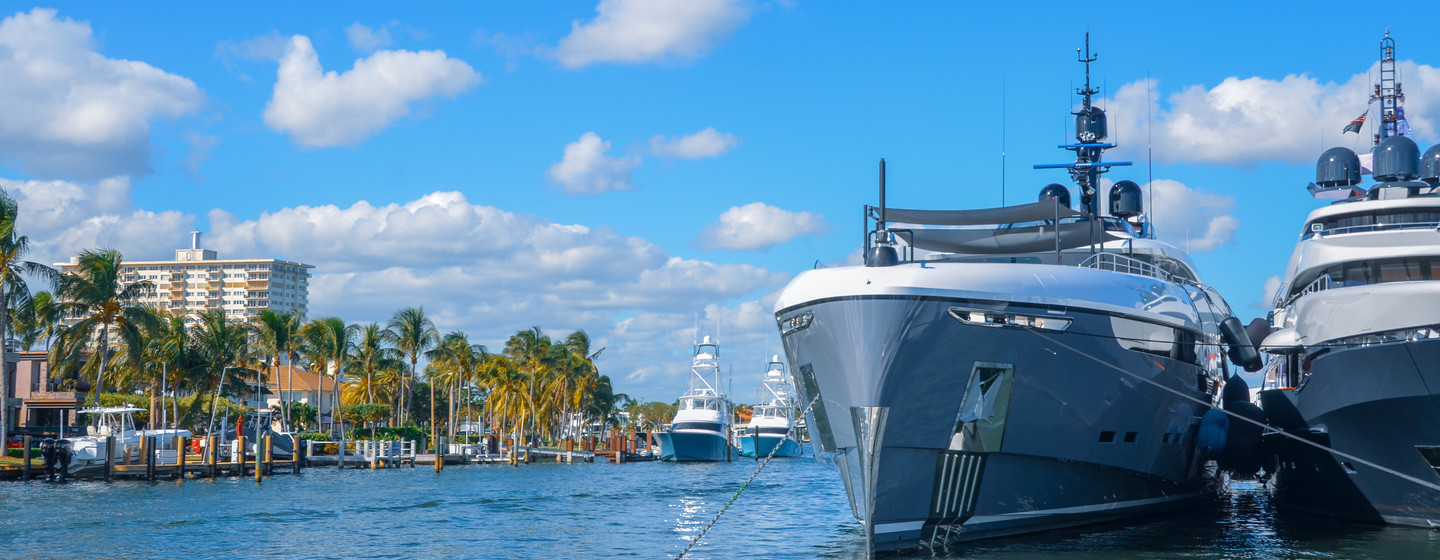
{"x":1034,"y":239}
{"x":1045,"y":210}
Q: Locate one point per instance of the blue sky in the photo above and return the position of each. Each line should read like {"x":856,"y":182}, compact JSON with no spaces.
{"x":632,"y":167}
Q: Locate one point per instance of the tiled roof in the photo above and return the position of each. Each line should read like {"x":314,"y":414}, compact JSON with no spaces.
{"x":279,"y":379}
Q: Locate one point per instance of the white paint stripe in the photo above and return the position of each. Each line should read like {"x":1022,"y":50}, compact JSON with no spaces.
{"x":897,"y":527}
{"x":1084,"y":509}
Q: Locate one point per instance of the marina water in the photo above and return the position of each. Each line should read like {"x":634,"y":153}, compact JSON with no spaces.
{"x":795,"y":509}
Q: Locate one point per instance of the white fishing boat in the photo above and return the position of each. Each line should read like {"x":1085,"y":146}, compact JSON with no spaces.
{"x":700,"y":430}
{"x":772,"y":425}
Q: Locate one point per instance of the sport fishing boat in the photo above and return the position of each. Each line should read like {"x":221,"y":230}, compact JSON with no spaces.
{"x":772,"y":424}
{"x":701,"y":427}
{"x":118,"y":422}
{"x":1010,"y":370}
{"x":1355,"y":383}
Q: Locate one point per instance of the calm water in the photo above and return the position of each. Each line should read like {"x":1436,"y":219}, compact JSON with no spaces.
{"x":795,"y":509}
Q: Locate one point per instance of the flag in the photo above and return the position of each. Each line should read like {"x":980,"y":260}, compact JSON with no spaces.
{"x":1355,"y":125}
{"x":1402,"y":126}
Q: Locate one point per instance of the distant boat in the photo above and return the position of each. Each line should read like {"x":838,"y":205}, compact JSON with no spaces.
{"x":701,"y":427}
{"x":773,"y":423}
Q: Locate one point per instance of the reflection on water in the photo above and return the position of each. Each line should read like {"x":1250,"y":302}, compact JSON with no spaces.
{"x":795,"y":509}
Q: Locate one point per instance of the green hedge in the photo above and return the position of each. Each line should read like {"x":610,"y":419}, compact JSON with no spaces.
{"x":313,"y":436}
{"x":411,"y":433}
{"x":20,"y":453}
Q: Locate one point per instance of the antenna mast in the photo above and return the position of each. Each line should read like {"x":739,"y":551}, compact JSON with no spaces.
{"x":1090,"y":132}
{"x":1387,"y":92}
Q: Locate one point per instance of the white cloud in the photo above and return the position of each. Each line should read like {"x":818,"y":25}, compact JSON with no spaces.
{"x":585,"y":169}
{"x":365,"y":39}
{"x":703,"y":144}
{"x":474,"y":267}
{"x":638,"y":31}
{"x":1267,"y":293}
{"x":328,"y":109}
{"x":1189,"y":218}
{"x":758,"y":226}
{"x":67,"y":111}
{"x":62,"y":218}
{"x":1282,"y":120}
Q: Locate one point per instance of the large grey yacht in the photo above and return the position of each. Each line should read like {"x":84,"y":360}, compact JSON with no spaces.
{"x":1010,"y":370}
{"x":1355,"y":383}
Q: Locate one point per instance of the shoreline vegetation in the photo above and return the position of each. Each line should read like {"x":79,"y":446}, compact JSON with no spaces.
{"x":101,"y":342}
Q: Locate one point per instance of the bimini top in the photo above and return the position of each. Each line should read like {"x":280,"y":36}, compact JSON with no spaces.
{"x":1033,"y":212}
{"x":1027,"y":228}
{"x":111,"y":410}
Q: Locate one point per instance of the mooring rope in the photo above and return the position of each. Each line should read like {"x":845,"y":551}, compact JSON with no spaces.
{"x":1268,"y":428}
{"x":747,"y":483}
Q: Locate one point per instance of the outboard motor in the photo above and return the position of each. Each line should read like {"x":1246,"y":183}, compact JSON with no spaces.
{"x":1056,"y":191}
{"x":47,"y":451}
{"x":64,"y":451}
{"x":1430,"y":166}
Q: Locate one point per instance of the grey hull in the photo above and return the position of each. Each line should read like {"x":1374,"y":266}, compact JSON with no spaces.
{"x":1377,"y":403}
{"x":1082,"y":442}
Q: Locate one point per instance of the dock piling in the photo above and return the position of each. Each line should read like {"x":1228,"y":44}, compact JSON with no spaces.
{"x":239,"y":451}
{"x":25,"y":457}
{"x":269,"y":455}
{"x":109,"y":457}
{"x":212,"y":449}
{"x":148,"y":447}
{"x":180,"y":456}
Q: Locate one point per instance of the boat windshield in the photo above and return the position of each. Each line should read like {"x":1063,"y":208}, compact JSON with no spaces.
{"x":699,"y":404}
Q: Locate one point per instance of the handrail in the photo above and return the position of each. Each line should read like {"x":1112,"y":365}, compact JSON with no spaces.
{"x":1115,"y":262}
{"x":1317,"y":285}
{"x":1371,"y":227}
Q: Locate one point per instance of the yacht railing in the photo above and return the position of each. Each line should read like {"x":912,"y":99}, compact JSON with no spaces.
{"x":1317,"y":285}
{"x":1372,"y":227}
{"x":1115,"y":262}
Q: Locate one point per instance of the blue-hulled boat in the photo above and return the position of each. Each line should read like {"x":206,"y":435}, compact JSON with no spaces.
{"x":772,"y":423}
{"x":699,"y":431}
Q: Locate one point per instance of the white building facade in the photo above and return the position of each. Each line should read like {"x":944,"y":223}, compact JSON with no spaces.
{"x":198,"y":281}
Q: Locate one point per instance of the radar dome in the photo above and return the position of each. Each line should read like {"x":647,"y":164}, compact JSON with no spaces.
{"x":1056,"y":191}
{"x":1397,"y":159}
{"x":1090,"y":125}
{"x":1338,"y":167}
{"x":1430,"y":165}
{"x":1126,"y":201}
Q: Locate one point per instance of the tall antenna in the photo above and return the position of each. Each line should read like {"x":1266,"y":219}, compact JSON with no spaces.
{"x":1149,"y":156}
{"x":1002,"y":152}
{"x":1091,"y":129}
{"x":1387,"y":92}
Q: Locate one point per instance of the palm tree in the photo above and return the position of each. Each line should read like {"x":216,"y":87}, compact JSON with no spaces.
{"x":222,"y":346}
{"x":12,"y":285}
{"x":275,"y":332}
{"x":373,"y":353}
{"x":34,"y":322}
{"x":413,"y":334}
{"x":93,"y":291}
{"x":452,"y":360}
{"x":582,"y":377}
{"x":331,"y":340}
{"x":533,"y":355}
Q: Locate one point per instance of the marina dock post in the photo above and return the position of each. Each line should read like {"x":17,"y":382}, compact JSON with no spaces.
{"x":147,"y":446}
{"x":296,"y":455}
{"x":25,"y":456}
{"x":239,"y":451}
{"x":269,"y":455}
{"x":180,"y":456}
{"x":109,"y":457}
{"x":212,"y":450}
{"x":439,"y":451}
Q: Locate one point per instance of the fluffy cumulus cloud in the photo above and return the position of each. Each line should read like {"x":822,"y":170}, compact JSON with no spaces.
{"x":758,"y":226}
{"x":1282,"y":119}
{"x":639,"y":31}
{"x":366,"y":39}
{"x":703,"y":144}
{"x":319,"y":108}
{"x":473,"y":267}
{"x":61,"y":218}
{"x":67,"y":111}
{"x":1267,"y":293}
{"x":1190,"y":218}
{"x":585,"y":169}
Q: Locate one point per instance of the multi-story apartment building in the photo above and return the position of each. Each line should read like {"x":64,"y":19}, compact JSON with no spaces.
{"x":198,"y":281}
